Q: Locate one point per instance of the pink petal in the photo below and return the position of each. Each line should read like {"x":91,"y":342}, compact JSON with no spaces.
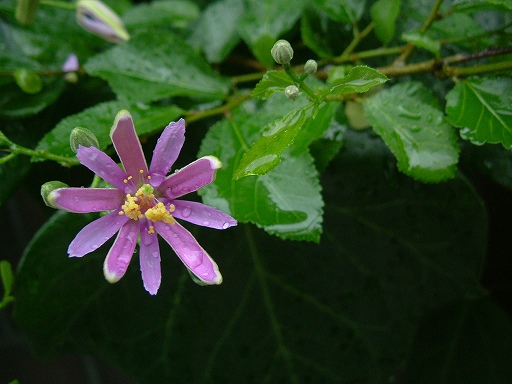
{"x":192,"y":177}
{"x":166,"y":151}
{"x":95,"y":234}
{"x":84,"y":200}
{"x":201,"y":214}
{"x":71,"y":63}
{"x":102,"y":165}
{"x":127,"y":145}
{"x":190,"y":252}
{"x":149,"y":259}
{"x":119,"y":256}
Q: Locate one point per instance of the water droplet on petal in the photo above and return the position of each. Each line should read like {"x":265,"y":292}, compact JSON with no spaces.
{"x":186,"y":212}
{"x":225,"y":225}
{"x":206,"y":223}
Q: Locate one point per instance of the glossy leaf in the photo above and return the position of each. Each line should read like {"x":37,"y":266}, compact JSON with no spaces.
{"x":264,"y":21}
{"x":422,"y":40}
{"x":384,"y":14}
{"x":265,"y":153}
{"x":176,"y":13}
{"x":481,"y":107}
{"x":272,"y":82}
{"x":392,"y":249}
{"x":99,"y":120}
{"x":359,"y":79}
{"x":409,"y":120}
{"x":216,"y":31}
{"x":482,"y":5}
{"x":153,"y":66}
{"x":347,"y":11}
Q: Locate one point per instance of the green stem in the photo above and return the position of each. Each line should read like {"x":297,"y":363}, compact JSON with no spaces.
{"x":478,"y":69}
{"x":357,"y":39}
{"x":59,"y":4}
{"x":192,"y":116}
{"x":301,"y":84}
{"x":16,"y":149}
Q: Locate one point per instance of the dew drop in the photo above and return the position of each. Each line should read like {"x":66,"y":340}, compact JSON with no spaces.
{"x":186,"y":212}
{"x":206,"y":223}
{"x":225,"y":225}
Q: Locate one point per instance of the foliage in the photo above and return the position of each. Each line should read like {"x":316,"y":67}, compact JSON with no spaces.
{"x":361,"y":238}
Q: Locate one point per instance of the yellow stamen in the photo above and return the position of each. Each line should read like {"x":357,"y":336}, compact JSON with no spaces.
{"x":160,"y":213}
{"x":143,"y":204}
{"x":151,"y":230}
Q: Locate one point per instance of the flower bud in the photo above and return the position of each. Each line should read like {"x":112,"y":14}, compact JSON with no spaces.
{"x":28,"y":81}
{"x":310,"y":67}
{"x":26,"y":11}
{"x":282,"y":52}
{"x":84,"y":137}
{"x":49,"y":187}
{"x":291,"y":92}
{"x":96,"y":17}
{"x":71,"y":63}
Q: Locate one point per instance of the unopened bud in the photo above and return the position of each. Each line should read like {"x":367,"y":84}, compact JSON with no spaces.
{"x":282,"y":52}
{"x":26,"y":11}
{"x":84,"y":137}
{"x":310,"y":67}
{"x":49,"y":187}
{"x":96,"y":17}
{"x":291,"y":92}
{"x":28,"y":81}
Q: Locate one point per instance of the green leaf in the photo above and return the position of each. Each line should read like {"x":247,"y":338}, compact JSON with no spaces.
{"x":7,"y":276}
{"x":216,"y":31}
{"x":422,"y":40}
{"x":272,"y":82}
{"x":285,"y":202}
{"x":360,"y":79}
{"x":153,"y":66}
{"x":176,"y":13}
{"x":347,"y":11}
{"x":264,"y":21}
{"x":346,"y":311}
{"x":265,"y":153}
{"x":446,"y":342}
{"x":461,"y":24}
{"x":384,"y":14}
{"x":481,"y":107}
{"x":482,"y":5}
{"x":408,"y":119}
{"x":99,"y":120}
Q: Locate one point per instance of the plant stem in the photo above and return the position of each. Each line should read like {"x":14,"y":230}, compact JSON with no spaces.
{"x":301,"y":84}
{"x":357,"y":39}
{"x":192,"y":116}
{"x":59,"y":4}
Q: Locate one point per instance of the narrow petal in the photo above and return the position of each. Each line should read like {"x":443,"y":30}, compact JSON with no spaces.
{"x":102,"y":165}
{"x":149,"y":259}
{"x":201,"y":214}
{"x":192,"y":177}
{"x":127,"y":145}
{"x":190,"y":252}
{"x":84,"y":200}
{"x":95,"y":234}
{"x":166,"y":151}
{"x":121,"y":253}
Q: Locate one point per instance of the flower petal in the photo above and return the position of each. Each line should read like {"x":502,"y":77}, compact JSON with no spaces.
{"x":192,"y":177}
{"x":190,"y":252}
{"x":127,"y":145}
{"x":149,"y":259}
{"x":121,"y":253}
{"x":84,"y":200}
{"x":201,"y":214}
{"x":166,"y":151}
{"x":102,"y":165}
{"x":95,"y":234}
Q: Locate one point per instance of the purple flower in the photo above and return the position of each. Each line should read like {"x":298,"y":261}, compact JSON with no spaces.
{"x":71,"y":63}
{"x":144,"y":203}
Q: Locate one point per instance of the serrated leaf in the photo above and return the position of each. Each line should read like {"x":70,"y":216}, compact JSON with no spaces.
{"x":154,"y":66}
{"x":482,"y":5}
{"x":272,"y":82}
{"x":265,"y":153}
{"x":415,"y":130}
{"x":99,"y":120}
{"x":359,"y":79}
{"x":216,"y":31}
{"x":285,"y":202}
{"x":422,"y":40}
{"x":264,"y":21}
{"x":176,"y":13}
{"x":384,"y":14}
{"x":481,"y":107}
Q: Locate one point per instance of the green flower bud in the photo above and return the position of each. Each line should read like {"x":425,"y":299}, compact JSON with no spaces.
{"x":28,"y":81}
{"x":84,"y":137}
{"x":310,"y":67}
{"x":96,"y":17}
{"x":48,"y":187}
{"x":291,"y":92}
{"x":282,"y":52}
{"x":26,"y":11}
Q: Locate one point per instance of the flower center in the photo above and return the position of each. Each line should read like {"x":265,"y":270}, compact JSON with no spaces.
{"x":145,"y":204}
